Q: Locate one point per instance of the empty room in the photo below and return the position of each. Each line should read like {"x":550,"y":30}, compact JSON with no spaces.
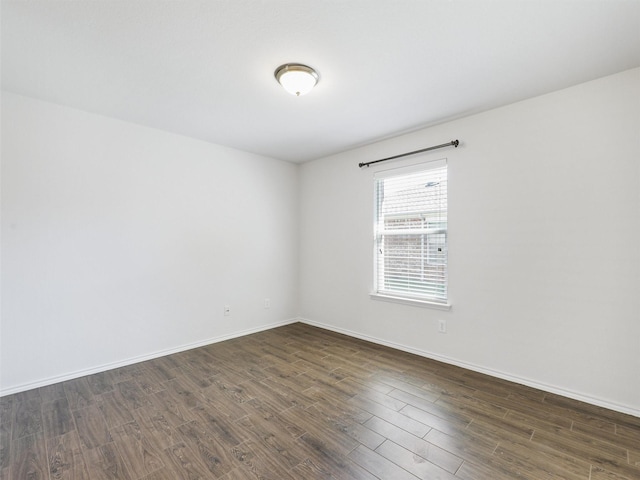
{"x":295,"y":239}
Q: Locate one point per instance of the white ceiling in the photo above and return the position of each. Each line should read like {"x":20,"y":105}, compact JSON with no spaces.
{"x":205,"y":68}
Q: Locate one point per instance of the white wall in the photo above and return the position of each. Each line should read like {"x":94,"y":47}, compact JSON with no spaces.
{"x":120,"y":241}
{"x":544,"y":243}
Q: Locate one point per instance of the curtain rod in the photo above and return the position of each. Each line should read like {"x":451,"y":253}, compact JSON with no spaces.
{"x":454,"y":143}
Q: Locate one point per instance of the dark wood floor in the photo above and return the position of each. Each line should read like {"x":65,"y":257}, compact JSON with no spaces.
{"x":302,"y":403}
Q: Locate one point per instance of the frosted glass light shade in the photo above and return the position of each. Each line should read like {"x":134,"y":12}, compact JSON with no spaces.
{"x":296,"y":79}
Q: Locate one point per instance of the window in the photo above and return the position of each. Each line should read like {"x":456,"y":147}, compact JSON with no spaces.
{"x":411,"y":233}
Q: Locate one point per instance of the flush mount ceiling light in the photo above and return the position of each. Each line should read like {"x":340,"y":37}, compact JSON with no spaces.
{"x":296,"y":79}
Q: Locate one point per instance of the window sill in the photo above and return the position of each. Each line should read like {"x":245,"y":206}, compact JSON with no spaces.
{"x":410,"y":301}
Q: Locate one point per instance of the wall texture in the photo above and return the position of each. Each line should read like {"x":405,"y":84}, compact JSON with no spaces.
{"x":121,"y":242}
{"x":544,"y":243}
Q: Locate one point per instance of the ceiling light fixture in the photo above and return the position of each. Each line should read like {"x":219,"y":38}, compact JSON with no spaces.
{"x":296,"y":79}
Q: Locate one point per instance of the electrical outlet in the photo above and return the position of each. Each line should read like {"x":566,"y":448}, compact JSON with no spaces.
{"x":267,"y":303}
{"x":227,"y":310}
{"x":442,"y":326}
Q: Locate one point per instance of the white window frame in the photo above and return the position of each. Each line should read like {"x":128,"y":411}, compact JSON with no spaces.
{"x":411,"y":298}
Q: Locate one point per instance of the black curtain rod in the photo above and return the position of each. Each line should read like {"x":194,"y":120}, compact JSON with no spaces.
{"x":454,"y":143}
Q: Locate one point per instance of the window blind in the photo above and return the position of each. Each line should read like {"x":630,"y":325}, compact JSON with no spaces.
{"x":411,"y":232}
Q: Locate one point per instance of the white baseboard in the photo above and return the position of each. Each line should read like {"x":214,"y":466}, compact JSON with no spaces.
{"x":477,"y":368}
{"x":440,"y":358}
{"x":130,"y":361}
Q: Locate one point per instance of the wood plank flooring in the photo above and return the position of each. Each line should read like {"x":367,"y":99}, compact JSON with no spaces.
{"x":299,"y":402}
